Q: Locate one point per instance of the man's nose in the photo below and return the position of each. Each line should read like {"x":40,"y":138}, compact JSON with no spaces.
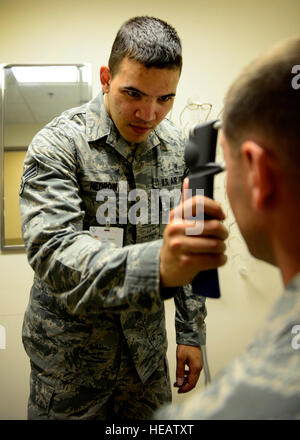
{"x":146,"y":111}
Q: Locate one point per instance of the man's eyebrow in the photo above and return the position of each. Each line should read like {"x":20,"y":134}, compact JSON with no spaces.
{"x":133,"y":89}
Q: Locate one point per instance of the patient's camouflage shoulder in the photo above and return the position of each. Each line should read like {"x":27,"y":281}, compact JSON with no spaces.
{"x":263,"y":383}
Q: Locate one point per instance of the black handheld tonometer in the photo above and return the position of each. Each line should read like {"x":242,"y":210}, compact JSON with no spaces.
{"x":199,"y":156}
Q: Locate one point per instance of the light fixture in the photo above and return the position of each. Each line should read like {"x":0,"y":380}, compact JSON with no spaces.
{"x":47,"y":74}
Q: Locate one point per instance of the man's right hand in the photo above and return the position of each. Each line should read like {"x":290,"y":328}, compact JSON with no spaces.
{"x":183,"y":256}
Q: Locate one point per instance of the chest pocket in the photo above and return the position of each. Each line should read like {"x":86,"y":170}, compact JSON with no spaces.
{"x":100,"y":200}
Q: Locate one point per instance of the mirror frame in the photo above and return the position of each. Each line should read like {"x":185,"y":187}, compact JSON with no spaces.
{"x":20,"y":247}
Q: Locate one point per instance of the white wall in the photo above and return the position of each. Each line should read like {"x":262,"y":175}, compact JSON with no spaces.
{"x":218,"y":39}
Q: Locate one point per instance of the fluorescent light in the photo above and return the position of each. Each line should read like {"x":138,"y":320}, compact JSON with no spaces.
{"x":48,"y":74}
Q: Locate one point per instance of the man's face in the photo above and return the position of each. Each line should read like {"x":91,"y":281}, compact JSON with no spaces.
{"x":138,"y":98}
{"x":239,"y":194}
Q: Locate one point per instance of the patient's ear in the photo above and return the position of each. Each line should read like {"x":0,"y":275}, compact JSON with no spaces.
{"x":259,"y":173}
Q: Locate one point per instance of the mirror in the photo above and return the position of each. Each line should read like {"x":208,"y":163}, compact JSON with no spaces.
{"x":31,"y":96}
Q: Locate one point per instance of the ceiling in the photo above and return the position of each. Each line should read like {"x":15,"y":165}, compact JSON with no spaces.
{"x":39,"y":103}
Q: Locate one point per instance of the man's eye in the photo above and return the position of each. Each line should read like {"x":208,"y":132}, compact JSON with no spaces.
{"x":132,"y":94}
{"x":165,"y":98}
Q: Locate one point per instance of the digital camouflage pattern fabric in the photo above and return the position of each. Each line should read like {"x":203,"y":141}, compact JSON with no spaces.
{"x":264,"y":383}
{"x":121,"y":396}
{"x":88,"y":298}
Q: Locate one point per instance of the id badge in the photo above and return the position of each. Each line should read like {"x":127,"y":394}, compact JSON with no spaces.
{"x":108,"y":234}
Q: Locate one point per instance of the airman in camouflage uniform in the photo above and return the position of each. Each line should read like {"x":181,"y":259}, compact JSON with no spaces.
{"x":261,"y":148}
{"x":94,"y":329}
{"x":89,"y":300}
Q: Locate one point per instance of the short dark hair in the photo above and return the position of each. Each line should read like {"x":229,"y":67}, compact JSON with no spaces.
{"x":263,"y":102}
{"x":148,"y":40}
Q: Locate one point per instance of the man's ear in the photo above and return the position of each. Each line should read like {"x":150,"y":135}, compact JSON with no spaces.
{"x":260,"y":173}
{"x":105,"y":78}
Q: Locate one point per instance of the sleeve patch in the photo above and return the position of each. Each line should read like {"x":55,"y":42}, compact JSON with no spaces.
{"x":28,"y":174}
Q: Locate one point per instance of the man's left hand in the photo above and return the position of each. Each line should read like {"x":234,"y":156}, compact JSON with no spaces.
{"x":190,"y":356}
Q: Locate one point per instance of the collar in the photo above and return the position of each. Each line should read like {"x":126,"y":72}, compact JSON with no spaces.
{"x":98,"y":122}
{"x":294,"y":284}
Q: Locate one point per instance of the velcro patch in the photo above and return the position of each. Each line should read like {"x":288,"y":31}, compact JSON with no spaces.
{"x":28,"y":174}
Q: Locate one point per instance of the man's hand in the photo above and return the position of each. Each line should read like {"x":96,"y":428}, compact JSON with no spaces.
{"x":183,"y":256}
{"x":190,"y":356}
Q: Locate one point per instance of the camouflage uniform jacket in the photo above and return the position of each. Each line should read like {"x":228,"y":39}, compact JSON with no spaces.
{"x":88,"y":296}
{"x":264,"y":383}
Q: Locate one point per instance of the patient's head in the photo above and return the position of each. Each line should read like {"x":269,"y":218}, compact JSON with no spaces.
{"x":264,"y":103}
{"x":261,"y":144}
